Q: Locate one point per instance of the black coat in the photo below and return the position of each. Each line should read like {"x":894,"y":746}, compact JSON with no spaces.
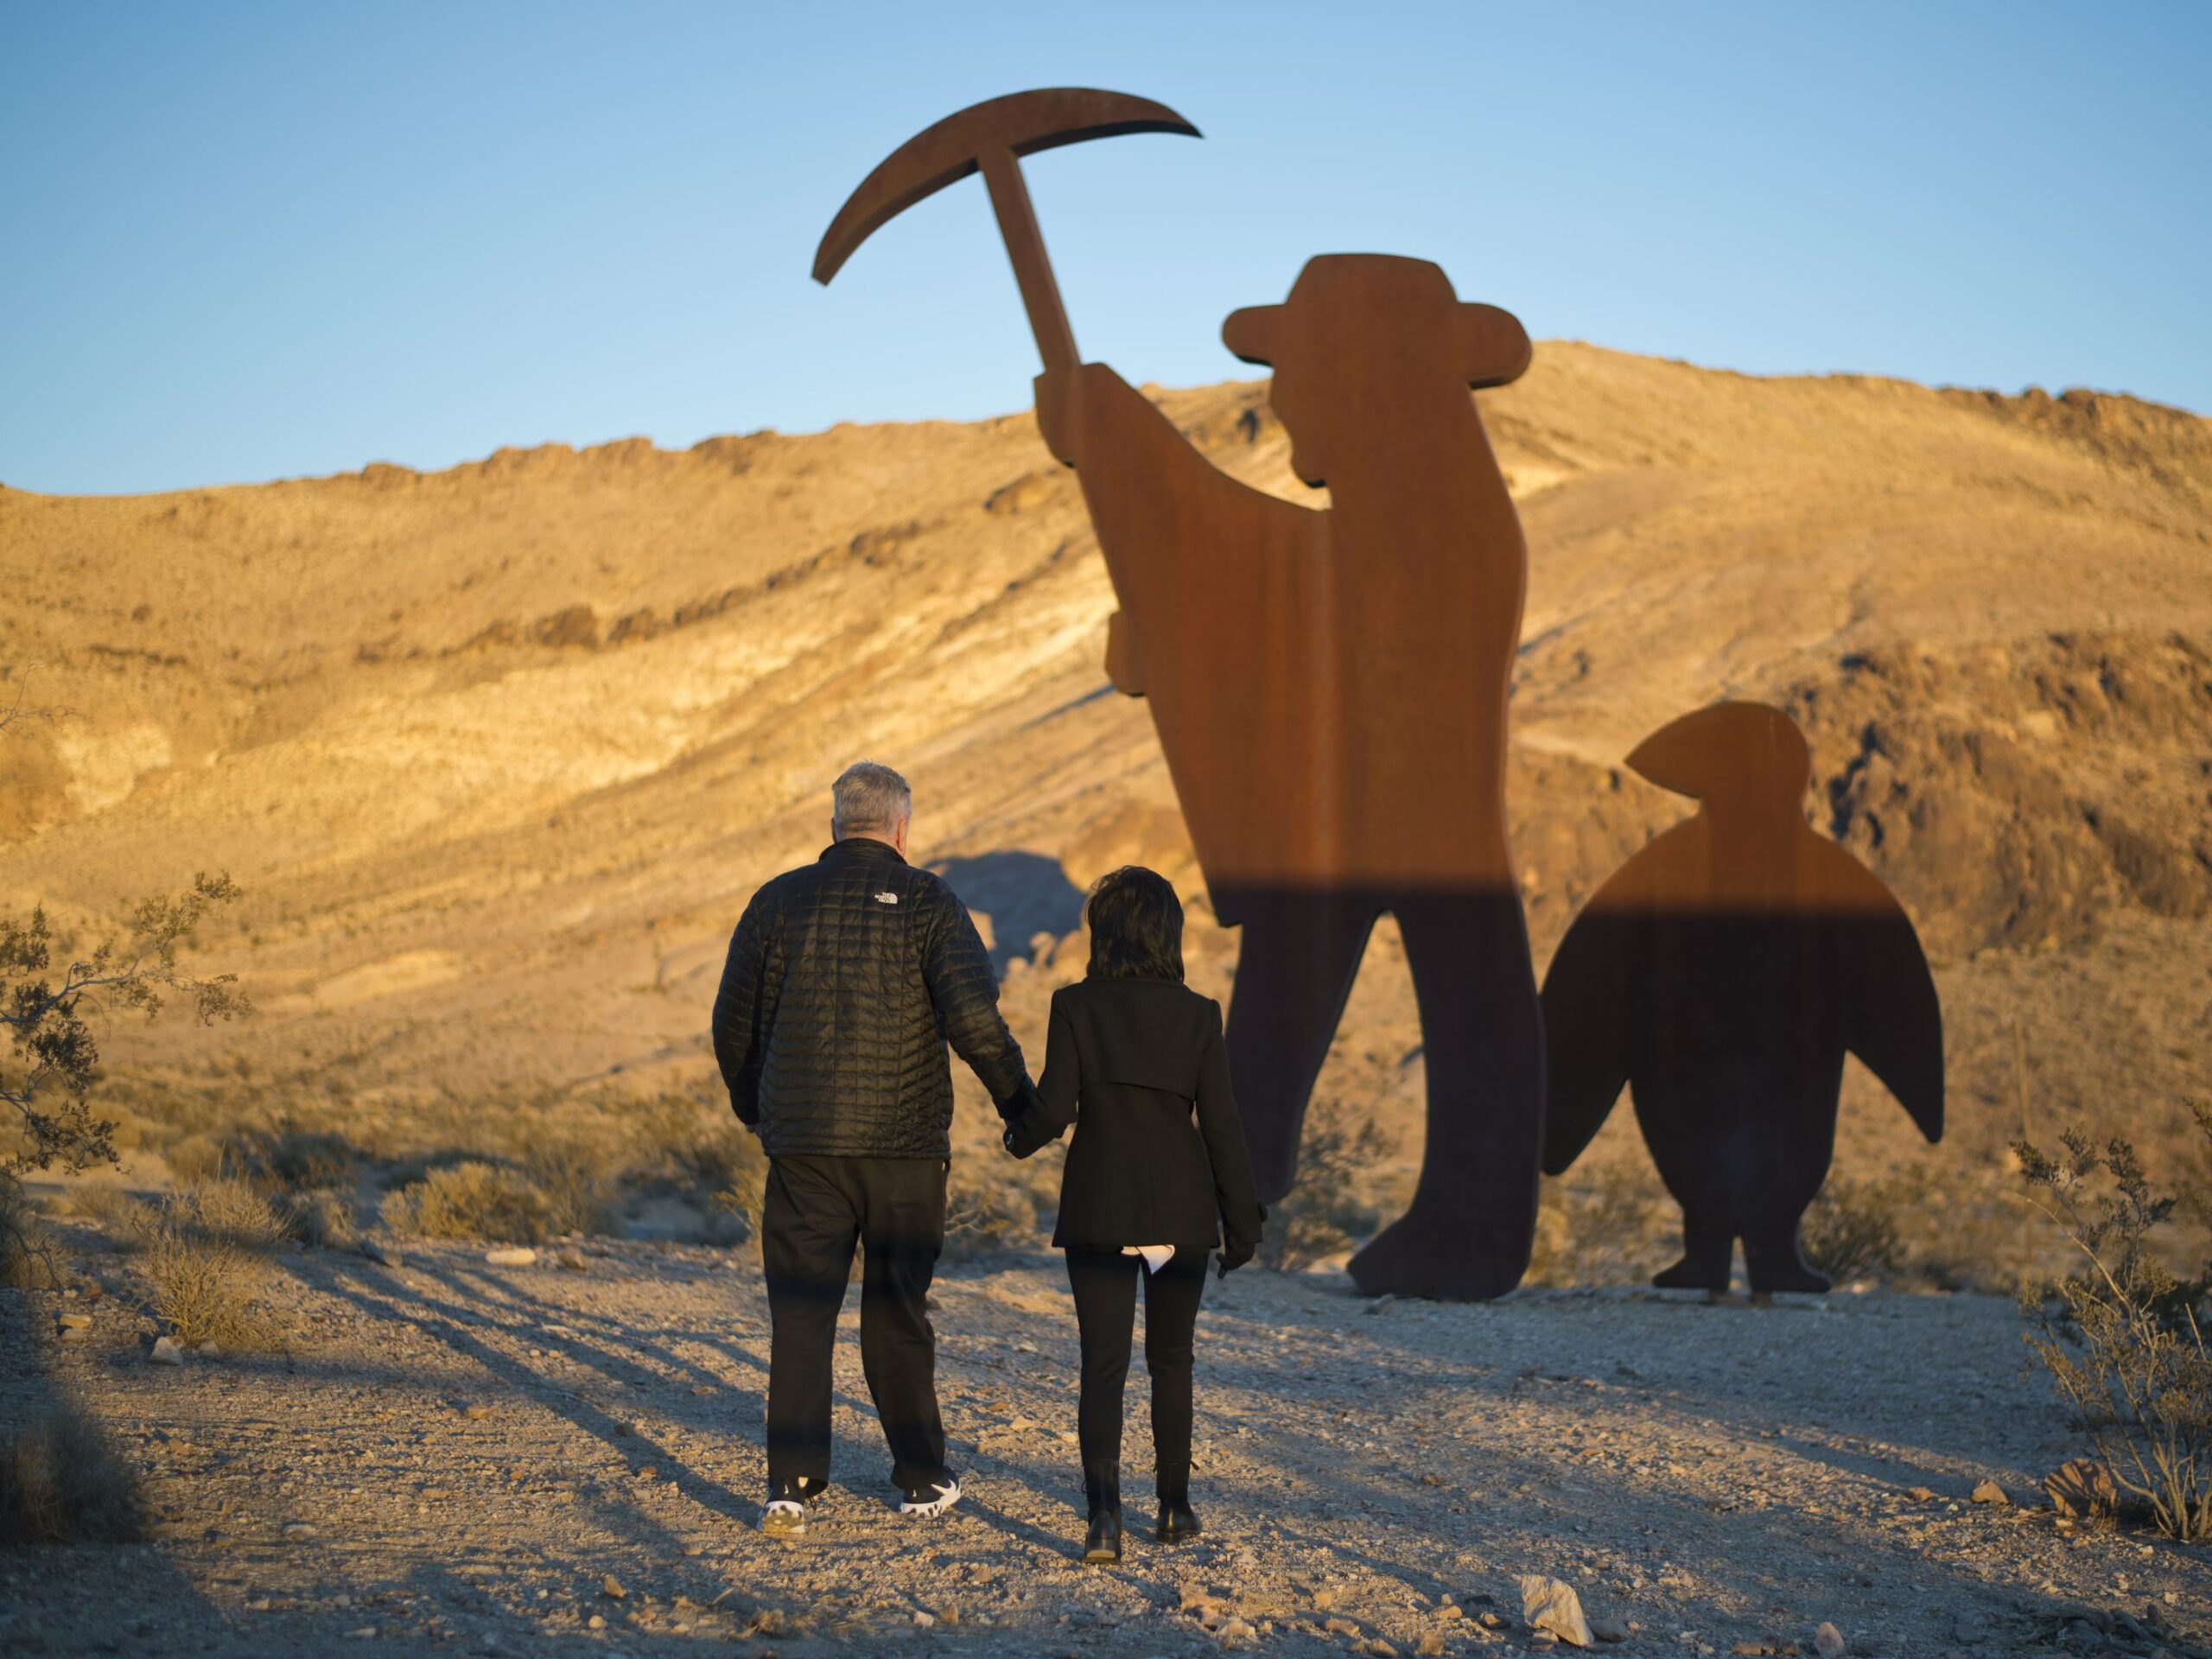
{"x":845,"y":980}
{"x":1138,"y":1066}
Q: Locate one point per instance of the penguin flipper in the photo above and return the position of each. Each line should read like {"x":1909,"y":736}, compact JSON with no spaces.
{"x":1585,"y":1032}
{"x":1890,"y":1017}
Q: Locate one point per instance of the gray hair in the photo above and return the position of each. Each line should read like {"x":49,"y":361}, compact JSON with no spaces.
{"x":868,"y":796}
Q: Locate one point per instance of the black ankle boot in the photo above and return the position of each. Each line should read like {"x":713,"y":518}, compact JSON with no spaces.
{"x":1101,"y":1488}
{"x":1177,"y":1521}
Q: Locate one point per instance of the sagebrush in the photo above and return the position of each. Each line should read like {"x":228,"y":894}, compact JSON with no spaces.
{"x":61,"y":1482}
{"x":2123,"y":1335}
{"x":1328,"y":1208}
{"x":203,"y":1251}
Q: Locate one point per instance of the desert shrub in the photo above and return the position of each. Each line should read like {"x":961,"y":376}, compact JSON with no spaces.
{"x":1855,"y":1229}
{"x":2122,"y":1335}
{"x":472,"y":1199}
{"x":195,"y":1157}
{"x":1603,"y":1223}
{"x":738,"y":1184}
{"x":989,"y":1209}
{"x":60,"y":1482}
{"x":205,"y":1283}
{"x":1325,"y":1209}
{"x":322,"y":1219}
{"x":574,"y":1183}
{"x":27,"y":1255}
{"x":228,"y":1210}
{"x":289,"y":1158}
{"x":104,"y":1203}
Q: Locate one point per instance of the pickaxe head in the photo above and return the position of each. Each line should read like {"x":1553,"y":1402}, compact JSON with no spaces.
{"x":1020,"y":124}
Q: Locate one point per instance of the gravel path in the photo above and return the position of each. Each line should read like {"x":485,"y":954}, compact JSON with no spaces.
{"x":455,"y":1456}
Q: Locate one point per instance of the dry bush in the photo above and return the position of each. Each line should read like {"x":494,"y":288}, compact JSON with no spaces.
{"x":286,"y":1157}
{"x":60,"y":1482}
{"x":121,"y":1217}
{"x":204,"y":1254}
{"x":1326,"y":1210}
{"x":990,"y":1209}
{"x":27,"y":1255}
{"x":228,"y":1210}
{"x":738,"y":1185}
{"x":2123,"y":1336}
{"x":1855,"y":1229}
{"x":576,"y":1184}
{"x":322,"y":1219}
{"x":1604,"y":1223}
{"x":472,"y":1199}
{"x":195,"y":1157}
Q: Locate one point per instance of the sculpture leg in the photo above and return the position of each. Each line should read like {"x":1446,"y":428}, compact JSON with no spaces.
{"x":1773,"y":1262}
{"x":1467,"y":1234}
{"x":1708,"y":1258}
{"x":1299,"y":954}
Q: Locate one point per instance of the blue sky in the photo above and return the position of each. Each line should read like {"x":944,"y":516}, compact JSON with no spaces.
{"x":245,"y":242}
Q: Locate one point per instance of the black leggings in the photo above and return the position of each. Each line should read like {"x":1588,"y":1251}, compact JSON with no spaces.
{"x":1105,"y":1286}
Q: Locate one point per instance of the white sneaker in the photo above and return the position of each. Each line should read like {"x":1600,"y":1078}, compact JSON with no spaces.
{"x":784,"y":1518}
{"x":926,"y":1502}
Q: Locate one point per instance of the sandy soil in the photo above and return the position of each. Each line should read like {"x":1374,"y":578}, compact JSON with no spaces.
{"x":476,"y":1450}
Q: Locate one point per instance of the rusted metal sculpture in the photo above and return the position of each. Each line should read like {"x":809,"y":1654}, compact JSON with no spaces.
{"x":1722,"y":974}
{"x":1329,"y":686}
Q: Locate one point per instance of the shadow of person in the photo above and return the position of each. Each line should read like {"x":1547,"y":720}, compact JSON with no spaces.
{"x":1023,"y":893}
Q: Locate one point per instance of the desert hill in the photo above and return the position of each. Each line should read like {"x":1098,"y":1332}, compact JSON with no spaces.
{"x":500,"y":752}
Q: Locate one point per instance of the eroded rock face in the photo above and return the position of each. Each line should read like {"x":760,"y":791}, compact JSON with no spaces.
{"x":2012,"y":794}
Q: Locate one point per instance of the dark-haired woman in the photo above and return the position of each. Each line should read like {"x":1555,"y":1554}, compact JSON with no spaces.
{"x":1157,"y":1177}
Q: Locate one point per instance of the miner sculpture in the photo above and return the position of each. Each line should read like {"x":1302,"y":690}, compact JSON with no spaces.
{"x":1329,"y":685}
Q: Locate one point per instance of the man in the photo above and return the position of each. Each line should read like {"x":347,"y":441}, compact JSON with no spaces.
{"x":845,"y":980}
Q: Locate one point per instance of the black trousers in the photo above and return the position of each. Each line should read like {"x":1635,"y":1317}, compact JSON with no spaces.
{"x":1105,"y":1286}
{"x":816,"y":1210}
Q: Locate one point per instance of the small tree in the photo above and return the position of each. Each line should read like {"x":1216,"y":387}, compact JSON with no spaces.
{"x":2122,"y":1335}
{"x":56,"y":1059}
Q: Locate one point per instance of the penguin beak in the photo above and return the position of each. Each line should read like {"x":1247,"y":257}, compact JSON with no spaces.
{"x":1687,"y":756}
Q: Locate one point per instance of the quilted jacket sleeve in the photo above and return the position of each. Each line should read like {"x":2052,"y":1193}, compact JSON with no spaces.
{"x":966,"y":995}
{"x":1046,"y":1115}
{"x":1222,"y":1130}
{"x":737,"y":1023}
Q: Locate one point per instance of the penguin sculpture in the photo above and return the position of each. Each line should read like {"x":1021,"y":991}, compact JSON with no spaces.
{"x":1724,"y":972}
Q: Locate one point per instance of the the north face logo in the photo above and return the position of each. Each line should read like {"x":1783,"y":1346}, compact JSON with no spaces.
{"x":886,"y":897}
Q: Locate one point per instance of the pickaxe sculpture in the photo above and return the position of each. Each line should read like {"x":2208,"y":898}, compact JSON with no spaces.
{"x":991,"y":138}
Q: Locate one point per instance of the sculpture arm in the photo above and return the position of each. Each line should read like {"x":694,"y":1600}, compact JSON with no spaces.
{"x":1893,"y":1019}
{"x":1157,"y":503}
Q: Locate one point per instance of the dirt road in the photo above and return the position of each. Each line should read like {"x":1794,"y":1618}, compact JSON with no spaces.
{"x":457,"y":1455}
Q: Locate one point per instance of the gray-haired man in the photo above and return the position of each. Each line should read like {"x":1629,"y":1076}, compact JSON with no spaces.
{"x":846,"y":979}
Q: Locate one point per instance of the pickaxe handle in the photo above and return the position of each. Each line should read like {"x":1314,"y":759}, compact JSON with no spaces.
{"x":991,"y":138}
{"x":1032,"y":267}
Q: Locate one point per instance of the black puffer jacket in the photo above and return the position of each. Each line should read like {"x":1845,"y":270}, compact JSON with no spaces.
{"x":845,"y":980}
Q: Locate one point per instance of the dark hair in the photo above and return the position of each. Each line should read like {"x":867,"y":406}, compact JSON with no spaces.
{"x":1136,"y":926}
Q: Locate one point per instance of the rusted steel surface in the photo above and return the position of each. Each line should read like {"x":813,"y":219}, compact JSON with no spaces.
{"x":1722,"y":974}
{"x":1328,"y":683}
{"x":991,"y":138}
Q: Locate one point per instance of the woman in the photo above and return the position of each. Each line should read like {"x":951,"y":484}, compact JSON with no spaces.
{"x":1156,"y":1179}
